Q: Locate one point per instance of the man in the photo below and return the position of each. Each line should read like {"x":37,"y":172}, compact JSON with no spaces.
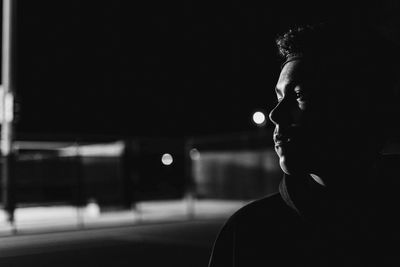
{"x":331,"y":119}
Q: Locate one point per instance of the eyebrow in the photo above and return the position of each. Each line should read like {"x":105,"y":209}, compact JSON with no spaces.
{"x":288,"y":85}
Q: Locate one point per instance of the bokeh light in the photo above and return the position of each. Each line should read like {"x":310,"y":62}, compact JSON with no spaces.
{"x":259,"y":118}
{"x":167,"y":159}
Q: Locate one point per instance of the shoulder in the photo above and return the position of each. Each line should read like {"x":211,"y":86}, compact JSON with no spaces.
{"x":267,"y":208}
{"x":260,"y":215}
{"x":253,"y":229}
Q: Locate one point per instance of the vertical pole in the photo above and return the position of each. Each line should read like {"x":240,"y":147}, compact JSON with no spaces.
{"x":79,"y":188}
{"x":189,"y":194}
{"x":7,"y":106}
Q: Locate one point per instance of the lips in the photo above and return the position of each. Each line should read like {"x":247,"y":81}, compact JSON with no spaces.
{"x":280,"y":139}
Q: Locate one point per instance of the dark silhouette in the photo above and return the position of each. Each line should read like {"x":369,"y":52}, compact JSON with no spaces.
{"x":334,"y":115}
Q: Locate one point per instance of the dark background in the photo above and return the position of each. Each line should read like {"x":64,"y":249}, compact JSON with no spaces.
{"x":156,"y":69}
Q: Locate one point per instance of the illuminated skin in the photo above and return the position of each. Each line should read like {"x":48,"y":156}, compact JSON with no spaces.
{"x":302,"y":120}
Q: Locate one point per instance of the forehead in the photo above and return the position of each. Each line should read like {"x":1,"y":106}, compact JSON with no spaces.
{"x":292,"y":72}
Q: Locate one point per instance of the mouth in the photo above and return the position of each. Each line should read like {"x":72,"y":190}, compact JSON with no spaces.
{"x":281,"y":140}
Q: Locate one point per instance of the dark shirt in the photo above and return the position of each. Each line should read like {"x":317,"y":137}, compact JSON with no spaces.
{"x":303,"y":225}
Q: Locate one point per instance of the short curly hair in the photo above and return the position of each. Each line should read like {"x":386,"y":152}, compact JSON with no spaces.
{"x":320,"y":41}
{"x":297,"y":41}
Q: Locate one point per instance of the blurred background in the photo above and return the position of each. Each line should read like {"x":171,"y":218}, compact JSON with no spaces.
{"x":137,"y":128}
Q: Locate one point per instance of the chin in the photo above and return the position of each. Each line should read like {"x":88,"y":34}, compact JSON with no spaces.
{"x":284,"y":167}
{"x":292,"y":166}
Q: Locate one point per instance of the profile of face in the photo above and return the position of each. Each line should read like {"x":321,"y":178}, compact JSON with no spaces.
{"x":303,"y":117}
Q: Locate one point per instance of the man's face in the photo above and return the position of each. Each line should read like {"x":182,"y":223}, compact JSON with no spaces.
{"x":302,"y":119}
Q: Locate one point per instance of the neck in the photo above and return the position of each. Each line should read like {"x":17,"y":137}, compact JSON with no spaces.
{"x":302,"y":193}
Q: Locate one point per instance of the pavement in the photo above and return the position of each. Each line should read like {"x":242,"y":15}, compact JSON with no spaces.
{"x":159,"y":244}
{"x":166,"y":240}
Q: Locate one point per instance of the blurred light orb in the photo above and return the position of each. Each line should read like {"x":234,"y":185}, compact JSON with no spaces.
{"x":259,"y":118}
{"x":167,"y":159}
{"x":194,"y":154}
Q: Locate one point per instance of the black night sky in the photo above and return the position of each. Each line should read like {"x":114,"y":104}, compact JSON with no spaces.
{"x":144,"y":68}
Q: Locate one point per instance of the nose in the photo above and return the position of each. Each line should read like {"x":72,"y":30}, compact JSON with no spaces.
{"x":276,"y":115}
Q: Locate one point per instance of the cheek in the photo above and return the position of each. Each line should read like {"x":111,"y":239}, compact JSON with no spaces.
{"x":320,"y":119}
{"x":318,"y":134}
{"x":299,"y":111}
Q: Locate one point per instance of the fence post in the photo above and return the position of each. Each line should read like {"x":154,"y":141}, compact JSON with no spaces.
{"x":7,"y":109}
